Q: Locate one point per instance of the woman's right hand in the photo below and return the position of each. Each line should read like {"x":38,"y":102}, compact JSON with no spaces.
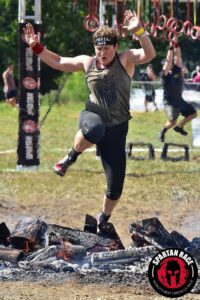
{"x":29,"y":35}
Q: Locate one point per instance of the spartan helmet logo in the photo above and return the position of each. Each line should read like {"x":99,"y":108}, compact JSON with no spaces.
{"x":173,"y":272}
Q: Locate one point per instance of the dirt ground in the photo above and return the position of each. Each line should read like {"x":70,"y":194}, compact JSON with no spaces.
{"x":183,"y":217}
{"x":74,"y":291}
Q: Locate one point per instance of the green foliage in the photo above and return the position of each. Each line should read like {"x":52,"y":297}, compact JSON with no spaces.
{"x":72,"y":87}
{"x":63,"y":32}
{"x":76,"y":88}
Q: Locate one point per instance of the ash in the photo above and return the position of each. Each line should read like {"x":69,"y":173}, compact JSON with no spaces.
{"x":35,"y":251}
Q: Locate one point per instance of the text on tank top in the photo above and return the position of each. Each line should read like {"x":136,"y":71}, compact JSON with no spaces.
{"x":110,"y":91}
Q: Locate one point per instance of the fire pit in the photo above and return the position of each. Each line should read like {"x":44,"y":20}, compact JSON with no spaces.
{"x":35,"y":250}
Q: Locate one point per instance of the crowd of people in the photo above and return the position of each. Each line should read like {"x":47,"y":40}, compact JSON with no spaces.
{"x":105,"y":119}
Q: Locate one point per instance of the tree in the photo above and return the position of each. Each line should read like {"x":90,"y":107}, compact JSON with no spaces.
{"x":63,"y":32}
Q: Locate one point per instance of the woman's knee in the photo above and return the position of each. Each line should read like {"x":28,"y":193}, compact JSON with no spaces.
{"x":92,"y":126}
{"x":80,"y":143}
{"x":93,"y":132}
{"x":113,"y":194}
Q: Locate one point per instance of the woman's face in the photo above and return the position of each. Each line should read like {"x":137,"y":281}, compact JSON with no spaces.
{"x":105,"y":53}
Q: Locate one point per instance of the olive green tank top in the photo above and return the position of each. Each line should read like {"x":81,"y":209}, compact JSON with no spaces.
{"x":109,"y":92}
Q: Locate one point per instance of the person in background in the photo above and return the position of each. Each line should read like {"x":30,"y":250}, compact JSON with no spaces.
{"x":148,"y":88}
{"x":196,"y":78}
{"x":195,"y":72}
{"x":9,"y":89}
{"x":173,"y":80}
{"x":104,"y":121}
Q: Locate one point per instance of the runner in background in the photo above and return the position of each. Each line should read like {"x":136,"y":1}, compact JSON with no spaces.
{"x":148,"y":89}
{"x":173,"y":79}
{"x":9,"y":86}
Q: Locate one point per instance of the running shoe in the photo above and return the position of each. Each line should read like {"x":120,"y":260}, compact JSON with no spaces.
{"x":61,"y":166}
{"x":102,"y":222}
{"x":180,"y":130}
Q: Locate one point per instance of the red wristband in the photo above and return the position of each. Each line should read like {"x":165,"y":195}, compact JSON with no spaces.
{"x":38,"y":48}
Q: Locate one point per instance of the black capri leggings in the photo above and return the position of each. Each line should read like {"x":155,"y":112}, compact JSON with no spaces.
{"x":111,"y":144}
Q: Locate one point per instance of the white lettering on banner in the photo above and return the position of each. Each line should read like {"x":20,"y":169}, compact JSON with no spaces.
{"x":39,"y":60}
{"x":29,"y":147}
{"x":29,"y":59}
{"x":30,"y":104}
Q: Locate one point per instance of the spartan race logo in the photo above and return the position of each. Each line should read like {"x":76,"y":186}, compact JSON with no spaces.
{"x":173,"y":272}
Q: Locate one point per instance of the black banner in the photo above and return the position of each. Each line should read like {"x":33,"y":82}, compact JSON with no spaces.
{"x":29,"y":85}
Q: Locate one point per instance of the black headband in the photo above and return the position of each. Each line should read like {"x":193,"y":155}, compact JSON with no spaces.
{"x":105,"y":40}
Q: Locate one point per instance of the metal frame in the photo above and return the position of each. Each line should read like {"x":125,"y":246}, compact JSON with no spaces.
{"x":22,"y":17}
{"x":185,"y":147}
{"x":149,"y":147}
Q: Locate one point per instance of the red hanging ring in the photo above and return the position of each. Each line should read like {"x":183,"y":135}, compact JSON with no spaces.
{"x":176,"y":26}
{"x":195,"y":32}
{"x":162,"y":21}
{"x":187,"y":27}
{"x":179,"y":26}
{"x":171,"y":35}
{"x":169,"y":22}
{"x":91,"y":23}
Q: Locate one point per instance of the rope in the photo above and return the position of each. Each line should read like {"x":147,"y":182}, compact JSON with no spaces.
{"x":176,"y":13}
{"x":171,"y":8}
{"x":41,"y":123}
{"x":188,"y":10}
{"x":195,"y":12}
{"x":139,"y":9}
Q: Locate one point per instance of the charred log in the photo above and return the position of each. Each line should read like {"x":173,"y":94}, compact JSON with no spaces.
{"x":28,"y":234}
{"x":181,"y":241}
{"x":127,"y":256}
{"x":11,"y":255}
{"x":90,"y":224}
{"x":66,"y":251}
{"x":78,"y":237}
{"x":151,"y":232}
{"x":4,"y":234}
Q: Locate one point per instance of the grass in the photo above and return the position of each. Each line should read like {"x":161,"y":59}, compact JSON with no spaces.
{"x":166,"y":189}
